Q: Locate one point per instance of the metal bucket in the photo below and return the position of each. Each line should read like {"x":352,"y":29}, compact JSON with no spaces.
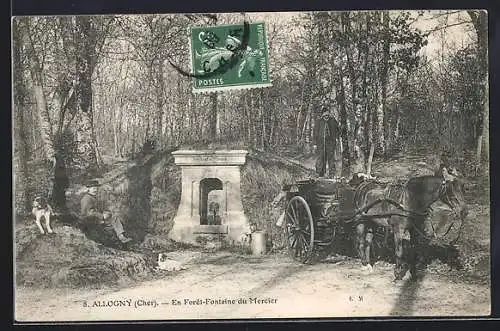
{"x":258,"y":243}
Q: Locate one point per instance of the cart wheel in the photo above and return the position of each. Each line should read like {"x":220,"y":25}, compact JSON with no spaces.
{"x":299,"y":229}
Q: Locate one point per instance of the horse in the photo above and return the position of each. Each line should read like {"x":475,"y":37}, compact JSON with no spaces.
{"x":403,"y":208}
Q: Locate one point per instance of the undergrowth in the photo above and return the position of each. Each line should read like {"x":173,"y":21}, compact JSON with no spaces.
{"x":69,"y":258}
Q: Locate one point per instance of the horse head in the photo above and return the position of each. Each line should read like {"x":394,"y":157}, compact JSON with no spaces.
{"x":452,"y":193}
{"x":446,"y":186}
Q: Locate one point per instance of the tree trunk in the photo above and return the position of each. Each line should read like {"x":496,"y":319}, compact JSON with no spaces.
{"x":159,"y":90}
{"x":306,"y":129}
{"x":480,"y":22}
{"x":385,"y":143}
{"x":309,"y":131}
{"x":370,"y":142}
{"x":117,"y":117}
{"x":253,"y":120}
{"x":264,"y":116}
{"x":116,"y":143}
{"x":21,"y":151}
{"x":364,"y":93}
{"x":39,"y":96}
{"x":346,"y":22}
{"x":213,"y":135}
{"x":57,"y":175}
{"x":87,"y":142}
{"x":299,"y":115}
{"x":272,"y":132}
{"x":370,"y":160}
{"x":344,"y":134}
{"x":248,"y":122}
{"x":379,"y":125}
{"x":135,"y":133}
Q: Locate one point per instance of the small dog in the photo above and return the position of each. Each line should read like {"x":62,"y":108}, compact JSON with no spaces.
{"x":42,"y":209}
{"x":165,"y":263}
{"x":246,"y":237}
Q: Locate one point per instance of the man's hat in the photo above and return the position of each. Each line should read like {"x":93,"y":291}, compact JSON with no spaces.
{"x":92,"y":183}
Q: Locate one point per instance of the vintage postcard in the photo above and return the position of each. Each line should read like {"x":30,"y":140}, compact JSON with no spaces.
{"x":218,"y":166}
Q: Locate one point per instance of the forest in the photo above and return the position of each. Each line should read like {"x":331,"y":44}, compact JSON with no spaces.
{"x":99,"y":97}
{"x":90,"y":88}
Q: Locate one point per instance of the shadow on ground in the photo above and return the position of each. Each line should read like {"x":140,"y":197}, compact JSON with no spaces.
{"x":405,"y":303}
{"x":277,"y":279}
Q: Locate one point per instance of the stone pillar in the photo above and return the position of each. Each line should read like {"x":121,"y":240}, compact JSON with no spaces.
{"x":197,"y":165}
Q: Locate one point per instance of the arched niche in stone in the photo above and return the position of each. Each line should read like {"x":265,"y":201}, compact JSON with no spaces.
{"x":210,"y":197}
{"x":211,"y":201}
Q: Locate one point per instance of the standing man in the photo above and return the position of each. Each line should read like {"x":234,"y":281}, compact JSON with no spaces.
{"x":326,"y":131}
{"x":93,"y":213}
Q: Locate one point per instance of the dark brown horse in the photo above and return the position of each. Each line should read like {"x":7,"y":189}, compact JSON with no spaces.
{"x":405,"y":206}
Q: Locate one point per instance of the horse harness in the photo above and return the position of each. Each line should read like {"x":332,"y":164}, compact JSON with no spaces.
{"x":387,"y":198}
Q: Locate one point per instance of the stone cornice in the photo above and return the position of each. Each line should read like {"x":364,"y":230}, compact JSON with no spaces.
{"x":209,"y":157}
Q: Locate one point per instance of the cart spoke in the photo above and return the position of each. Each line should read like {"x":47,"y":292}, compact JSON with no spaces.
{"x":294,"y":204}
{"x":304,"y":244}
{"x":295,"y":247}
{"x":300,"y":247}
{"x":295,"y":218}
{"x":306,"y":233}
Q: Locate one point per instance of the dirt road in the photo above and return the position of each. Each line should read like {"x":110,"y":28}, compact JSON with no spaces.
{"x":224,"y":286}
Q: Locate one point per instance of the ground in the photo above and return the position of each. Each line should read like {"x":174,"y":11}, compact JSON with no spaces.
{"x":334,"y":288}
{"x":54,"y":274}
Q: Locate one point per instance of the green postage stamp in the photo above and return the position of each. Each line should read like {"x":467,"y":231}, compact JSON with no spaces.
{"x":219,"y":62}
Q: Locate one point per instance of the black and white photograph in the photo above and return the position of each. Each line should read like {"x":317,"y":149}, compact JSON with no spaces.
{"x":251,"y":166}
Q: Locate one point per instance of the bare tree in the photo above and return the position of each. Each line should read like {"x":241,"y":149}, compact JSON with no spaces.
{"x":20,"y":135}
{"x":480,"y":23}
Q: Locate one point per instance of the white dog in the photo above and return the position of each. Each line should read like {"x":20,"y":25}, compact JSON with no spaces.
{"x":245,"y":238}
{"x":166,"y":263}
{"x":42,"y":209}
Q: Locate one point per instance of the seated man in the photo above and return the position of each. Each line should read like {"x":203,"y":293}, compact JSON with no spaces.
{"x":93,"y":213}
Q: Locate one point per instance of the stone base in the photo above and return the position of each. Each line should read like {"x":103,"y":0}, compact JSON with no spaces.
{"x":211,"y":242}
{"x":186,"y":231}
{"x":210,"y":229}
{"x":182,"y":234}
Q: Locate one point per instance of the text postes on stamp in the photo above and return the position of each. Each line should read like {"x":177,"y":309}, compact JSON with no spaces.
{"x":213,"y":47}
